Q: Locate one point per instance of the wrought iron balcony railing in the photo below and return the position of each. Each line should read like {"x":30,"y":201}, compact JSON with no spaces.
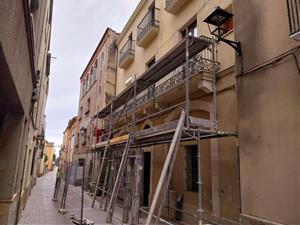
{"x":126,"y":50}
{"x":150,"y":20}
{"x":168,"y":2}
{"x":202,"y":62}
{"x":294,"y":16}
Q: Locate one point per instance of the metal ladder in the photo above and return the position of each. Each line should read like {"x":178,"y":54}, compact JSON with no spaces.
{"x":167,"y":169}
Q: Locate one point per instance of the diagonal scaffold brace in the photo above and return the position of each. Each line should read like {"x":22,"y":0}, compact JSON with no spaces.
{"x":111,"y":126}
{"x":123,"y":163}
{"x":168,"y":162}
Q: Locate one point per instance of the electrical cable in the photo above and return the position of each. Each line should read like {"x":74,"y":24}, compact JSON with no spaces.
{"x":274,"y":61}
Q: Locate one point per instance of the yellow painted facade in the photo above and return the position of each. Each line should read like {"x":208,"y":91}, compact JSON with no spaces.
{"x":220,"y":192}
{"x":49,"y":152}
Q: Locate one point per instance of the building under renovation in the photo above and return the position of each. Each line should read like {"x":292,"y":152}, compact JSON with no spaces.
{"x":204,"y":124}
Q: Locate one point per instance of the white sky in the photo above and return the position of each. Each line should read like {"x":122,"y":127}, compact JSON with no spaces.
{"x":77,"y":27}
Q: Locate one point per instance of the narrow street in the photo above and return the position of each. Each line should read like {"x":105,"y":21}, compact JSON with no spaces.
{"x":174,"y":112}
{"x":40,"y":209}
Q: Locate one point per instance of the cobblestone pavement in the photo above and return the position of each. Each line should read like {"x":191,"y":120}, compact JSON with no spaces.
{"x":40,"y":209}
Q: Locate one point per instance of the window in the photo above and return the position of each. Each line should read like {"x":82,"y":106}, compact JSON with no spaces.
{"x":90,"y":79}
{"x":77,"y":140}
{"x":33,"y":161}
{"x":80,"y":112}
{"x":92,"y":76}
{"x":192,"y":168}
{"x":228,"y":26}
{"x":86,"y":84}
{"x":151,"y":62}
{"x":151,"y":89}
{"x":192,"y":29}
{"x":83,"y":88}
{"x":88,"y":105}
{"x":152,"y":11}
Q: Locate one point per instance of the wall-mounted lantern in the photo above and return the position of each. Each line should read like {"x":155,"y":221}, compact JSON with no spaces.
{"x":217,"y":18}
{"x":82,"y":131}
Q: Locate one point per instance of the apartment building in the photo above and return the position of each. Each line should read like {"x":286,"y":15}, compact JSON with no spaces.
{"x":97,"y":88}
{"x":49,"y":154}
{"x":25,"y":63}
{"x":69,"y":147}
{"x":42,"y":13}
{"x":153,"y":39}
{"x":249,"y":177}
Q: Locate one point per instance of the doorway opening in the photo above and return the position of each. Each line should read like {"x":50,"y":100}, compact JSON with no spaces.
{"x":146,"y":181}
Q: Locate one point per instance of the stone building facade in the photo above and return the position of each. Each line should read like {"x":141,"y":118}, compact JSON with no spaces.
{"x":25,"y":66}
{"x":97,"y":88}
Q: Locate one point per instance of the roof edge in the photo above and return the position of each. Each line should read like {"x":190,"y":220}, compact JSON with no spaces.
{"x":130,"y":20}
{"x":106,"y":33}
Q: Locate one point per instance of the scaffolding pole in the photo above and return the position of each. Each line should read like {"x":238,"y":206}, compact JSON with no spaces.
{"x":214,"y":89}
{"x":134,"y":216}
{"x":124,"y":160}
{"x":103,"y":158}
{"x":171,"y":156}
{"x":187,"y":80}
{"x":200,"y":209}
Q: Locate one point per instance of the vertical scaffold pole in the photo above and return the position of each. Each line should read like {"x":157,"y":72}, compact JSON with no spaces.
{"x":127,"y":191}
{"x":104,"y":191}
{"x":137,"y":188}
{"x":200,"y":209}
{"x":104,"y":155}
{"x":187,"y":80}
{"x":214,"y":109}
{"x":165,"y":171}
{"x":124,"y":160}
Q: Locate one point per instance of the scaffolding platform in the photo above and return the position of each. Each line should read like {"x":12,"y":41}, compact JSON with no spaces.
{"x":187,"y":128}
{"x":161,"y":134}
{"x":177,"y":55}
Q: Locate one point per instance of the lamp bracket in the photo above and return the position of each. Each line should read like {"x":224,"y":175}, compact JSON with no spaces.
{"x":233,"y":44}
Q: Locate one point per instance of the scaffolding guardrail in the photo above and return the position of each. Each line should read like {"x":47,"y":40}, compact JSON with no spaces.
{"x":201,"y":62}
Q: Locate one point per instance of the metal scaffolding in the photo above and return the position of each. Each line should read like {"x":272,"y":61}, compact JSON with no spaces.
{"x":189,"y":55}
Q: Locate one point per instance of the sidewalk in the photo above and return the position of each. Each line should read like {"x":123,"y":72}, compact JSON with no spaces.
{"x":40,"y":209}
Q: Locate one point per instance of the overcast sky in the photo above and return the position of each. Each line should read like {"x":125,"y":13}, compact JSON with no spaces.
{"x":77,"y":27}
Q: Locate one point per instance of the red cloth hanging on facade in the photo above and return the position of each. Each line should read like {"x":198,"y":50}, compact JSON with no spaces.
{"x":99,"y":133}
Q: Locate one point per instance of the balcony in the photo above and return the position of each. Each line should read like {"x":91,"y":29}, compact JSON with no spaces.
{"x":294,"y":18}
{"x":126,"y":54}
{"x":173,"y":6}
{"x":148,"y":28}
{"x":165,"y":91}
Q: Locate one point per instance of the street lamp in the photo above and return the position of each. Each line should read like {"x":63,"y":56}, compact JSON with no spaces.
{"x":218,"y":17}
{"x":82,"y":131}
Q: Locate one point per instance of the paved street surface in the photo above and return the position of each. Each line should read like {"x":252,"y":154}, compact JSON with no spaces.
{"x":40,"y":209}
